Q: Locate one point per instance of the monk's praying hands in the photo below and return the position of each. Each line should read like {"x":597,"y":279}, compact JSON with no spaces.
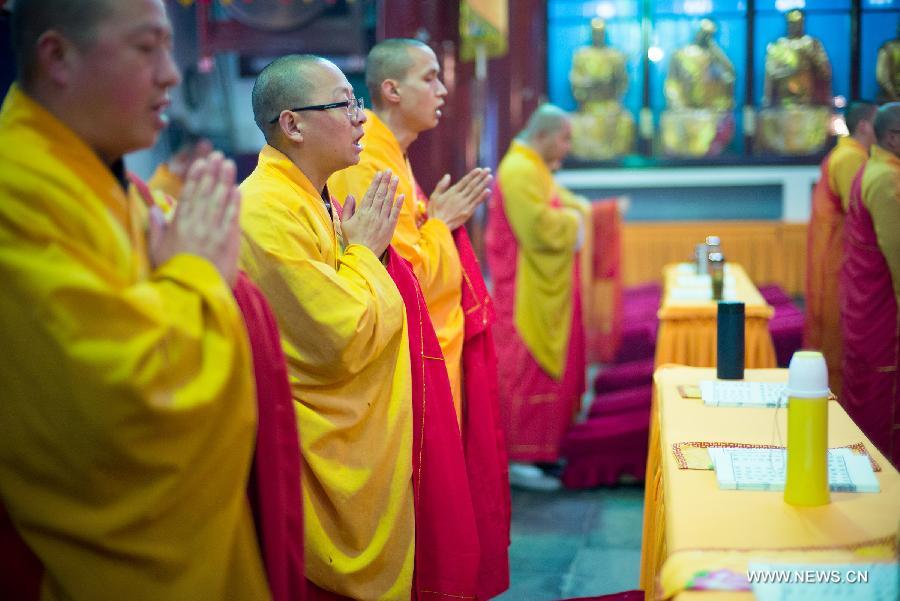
{"x":455,"y":204}
{"x":206,"y":218}
{"x":372,"y":221}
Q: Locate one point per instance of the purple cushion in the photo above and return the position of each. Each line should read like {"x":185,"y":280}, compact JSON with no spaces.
{"x":638,"y":342}
{"x":651,"y":289}
{"x":775,"y":295}
{"x":639,"y":310}
{"x":602,"y":449}
{"x":624,"y":375}
{"x":622,"y":401}
{"x":786,"y":328}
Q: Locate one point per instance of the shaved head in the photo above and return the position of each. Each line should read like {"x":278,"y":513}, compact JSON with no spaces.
{"x":887,"y":121}
{"x":283,"y":84}
{"x":858,"y":112}
{"x":75,"y":19}
{"x":549,"y":133}
{"x":546,"y":119}
{"x":389,"y":59}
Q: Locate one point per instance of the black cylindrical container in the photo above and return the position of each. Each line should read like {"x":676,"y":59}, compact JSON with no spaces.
{"x":730,"y":341}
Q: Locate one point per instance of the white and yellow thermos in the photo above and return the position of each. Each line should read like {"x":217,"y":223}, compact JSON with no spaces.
{"x":807,"y":439}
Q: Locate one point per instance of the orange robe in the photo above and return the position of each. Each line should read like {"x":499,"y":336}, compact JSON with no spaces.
{"x":430,"y":249}
{"x":129,"y":417}
{"x":825,"y":239}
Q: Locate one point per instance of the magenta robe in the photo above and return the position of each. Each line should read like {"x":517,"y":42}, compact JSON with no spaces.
{"x":274,"y":487}
{"x":447,"y":548}
{"x":871,"y":392}
{"x":537,"y":409}
{"x":483,"y":437}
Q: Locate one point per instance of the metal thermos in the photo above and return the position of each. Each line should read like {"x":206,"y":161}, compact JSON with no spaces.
{"x":716,"y":268}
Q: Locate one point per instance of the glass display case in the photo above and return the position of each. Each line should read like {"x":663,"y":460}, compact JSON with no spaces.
{"x":716,"y":81}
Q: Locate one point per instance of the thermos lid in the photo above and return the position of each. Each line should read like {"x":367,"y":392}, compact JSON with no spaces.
{"x":807,"y":376}
{"x":713,"y":241}
{"x":731,"y":308}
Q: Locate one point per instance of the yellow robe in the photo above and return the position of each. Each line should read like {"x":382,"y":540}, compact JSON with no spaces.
{"x":129,"y":418}
{"x":546,"y":236}
{"x":843,"y":165}
{"x":343,"y":329}
{"x":430,"y":249}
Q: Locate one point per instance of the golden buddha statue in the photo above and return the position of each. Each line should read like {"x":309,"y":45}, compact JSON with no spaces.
{"x":796,"y":114}
{"x":699,"y":92}
{"x":887,"y":70}
{"x":601,"y":128}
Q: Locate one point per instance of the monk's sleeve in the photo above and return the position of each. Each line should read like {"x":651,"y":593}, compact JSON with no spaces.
{"x":574,"y":201}
{"x":169,"y":342}
{"x":430,"y":249}
{"x":885,"y":210}
{"x":537,"y":226}
{"x":351,"y":313}
{"x":127,"y":406}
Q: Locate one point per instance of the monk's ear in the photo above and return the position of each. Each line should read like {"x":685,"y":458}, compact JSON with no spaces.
{"x":57,"y":57}
{"x":390,"y":91}
{"x":290,"y":127}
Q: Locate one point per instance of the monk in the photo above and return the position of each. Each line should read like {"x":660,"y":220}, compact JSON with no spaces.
{"x":129,"y":414}
{"x":532,"y":239}
{"x":369,"y":409}
{"x":870,"y":291}
{"x":407,"y":93}
{"x":274,"y":484}
{"x":403,"y":78}
{"x":825,"y":237}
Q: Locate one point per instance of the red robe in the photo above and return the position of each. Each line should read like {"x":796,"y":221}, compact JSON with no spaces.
{"x":604,"y":326}
{"x":274,"y":487}
{"x":871,"y":331}
{"x":447,"y":542}
{"x":482,"y":434}
{"x":483,"y":438}
{"x":537,"y":409}
{"x":21,"y":572}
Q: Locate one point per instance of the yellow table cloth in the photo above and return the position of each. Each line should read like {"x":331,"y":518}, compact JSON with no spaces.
{"x":685,"y":511}
{"x":687,"y":324}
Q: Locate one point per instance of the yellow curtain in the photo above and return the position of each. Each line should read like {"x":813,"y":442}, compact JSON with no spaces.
{"x":770,"y":251}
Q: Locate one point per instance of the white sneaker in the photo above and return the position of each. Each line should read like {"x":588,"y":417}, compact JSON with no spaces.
{"x":531,"y":477}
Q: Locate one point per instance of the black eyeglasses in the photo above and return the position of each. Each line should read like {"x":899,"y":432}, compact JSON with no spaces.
{"x":354,"y":106}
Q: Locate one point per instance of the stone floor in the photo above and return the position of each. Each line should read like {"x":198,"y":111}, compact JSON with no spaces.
{"x":574,"y":543}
